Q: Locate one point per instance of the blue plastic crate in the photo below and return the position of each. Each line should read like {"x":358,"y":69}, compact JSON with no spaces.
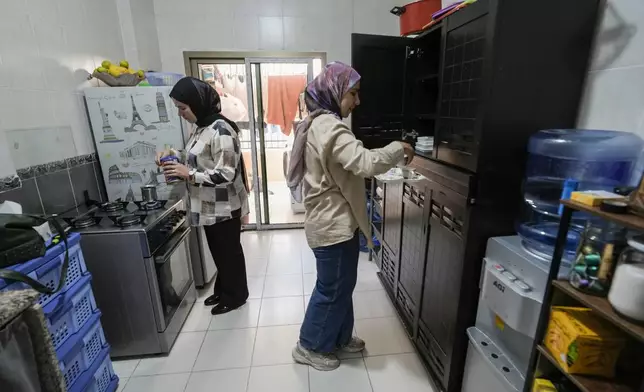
{"x":104,"y":378}
{"x":68,"y":313}
{"x":82,"y":350}
{"x":99,"y":377}
{"x":47,"y":269}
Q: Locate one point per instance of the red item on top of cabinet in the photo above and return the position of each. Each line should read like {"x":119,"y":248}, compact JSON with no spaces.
{"x":414,"y":16}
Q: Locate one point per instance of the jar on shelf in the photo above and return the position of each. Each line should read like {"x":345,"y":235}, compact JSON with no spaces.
{"x":627,"y":292}
{"x":600,"y":246}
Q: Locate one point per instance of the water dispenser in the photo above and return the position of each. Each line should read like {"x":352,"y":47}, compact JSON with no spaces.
{"x":591,"y":159}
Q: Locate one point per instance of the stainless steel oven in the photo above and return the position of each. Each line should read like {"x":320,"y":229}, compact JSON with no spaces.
{"x":173,"y":276}
{"x":142,"y":276}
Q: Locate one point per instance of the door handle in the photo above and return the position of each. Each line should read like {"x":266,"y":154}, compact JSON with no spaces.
{"x":171,"y":246}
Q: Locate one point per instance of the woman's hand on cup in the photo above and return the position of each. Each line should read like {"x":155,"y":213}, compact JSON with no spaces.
{"x":175,"y":169}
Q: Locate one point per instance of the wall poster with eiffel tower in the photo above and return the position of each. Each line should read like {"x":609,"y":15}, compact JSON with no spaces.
{"x":129,"y":126}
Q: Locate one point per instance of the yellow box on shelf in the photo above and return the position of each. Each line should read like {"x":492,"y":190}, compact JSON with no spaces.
{"x":594,"y":198}
{"x":543,"y":385}
{"x":582,"y":343}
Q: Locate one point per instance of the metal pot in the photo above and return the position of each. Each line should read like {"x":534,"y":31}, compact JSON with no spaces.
{"x":414,"y":16}
{"x":149,"y":193}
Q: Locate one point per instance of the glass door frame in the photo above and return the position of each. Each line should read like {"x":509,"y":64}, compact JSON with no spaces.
{"x":192,"y":60}
{"x":258,"y":129}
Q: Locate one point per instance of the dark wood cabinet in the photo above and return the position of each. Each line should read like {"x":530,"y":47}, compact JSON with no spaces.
{"x":413,"y":249}
{"x":391,"y":234}
{"x":442,"y":283}
{"x":480,"y":82}
{"x":393,"y":217}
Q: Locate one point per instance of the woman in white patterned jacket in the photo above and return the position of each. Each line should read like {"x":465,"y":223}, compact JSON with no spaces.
{"x":212,"y":164}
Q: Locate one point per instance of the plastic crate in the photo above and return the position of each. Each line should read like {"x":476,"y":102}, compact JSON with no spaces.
{"x":163,"y":78}
{"x":47,"y":269}
{"x":81,"y":351}
{"x":104,"y":378}
{"x":68,"y":313}
{"x":100,"y":377}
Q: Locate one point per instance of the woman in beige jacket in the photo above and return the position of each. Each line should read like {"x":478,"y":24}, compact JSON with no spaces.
{"x":328,"y":167}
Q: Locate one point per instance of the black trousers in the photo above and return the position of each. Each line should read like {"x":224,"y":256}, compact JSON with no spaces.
{"x":224,"y":241}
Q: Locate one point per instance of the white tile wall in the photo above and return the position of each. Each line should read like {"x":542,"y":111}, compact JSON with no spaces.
{"x":293,"y":25}
{"x":47,"y":48}
{"x":146,"y":34}
{"x":614,"y":97}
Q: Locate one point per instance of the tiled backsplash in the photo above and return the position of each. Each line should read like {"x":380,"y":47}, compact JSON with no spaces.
{"x":55,"y":187}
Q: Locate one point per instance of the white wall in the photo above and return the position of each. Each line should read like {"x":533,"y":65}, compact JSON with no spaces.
{"x":614,"y":96}
{"x":139,"y":33}
{"x":47,"y":48}
{"x":292,"y":25}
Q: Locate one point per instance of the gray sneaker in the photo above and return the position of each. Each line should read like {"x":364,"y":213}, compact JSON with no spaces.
{"x":355,"y":345}
{"x":323,"y":362}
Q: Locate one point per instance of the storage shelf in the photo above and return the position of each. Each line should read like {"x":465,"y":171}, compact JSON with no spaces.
{"x":425,"y":154}
{"x":377,"y":232}
{"x":601,"y":307}
{"x":587,"y":383}
{"x":426,"y":77}
{"x":629,"y":220}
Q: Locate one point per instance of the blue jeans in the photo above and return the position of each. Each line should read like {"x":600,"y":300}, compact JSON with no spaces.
{"x":328,"y":323}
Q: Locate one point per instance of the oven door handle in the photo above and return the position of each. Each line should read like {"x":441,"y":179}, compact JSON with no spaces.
{"x":168,"y":249}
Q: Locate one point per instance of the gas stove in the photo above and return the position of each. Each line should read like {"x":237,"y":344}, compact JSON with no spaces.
{"x":138,"y":255}
{"x":119,"y":215}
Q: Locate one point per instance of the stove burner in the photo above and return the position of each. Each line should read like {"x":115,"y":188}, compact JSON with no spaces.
{"x":150,"y":205}
{"x":87,"y":221}
{"x":127,"y":220}
{"x":83,"y":221}
{"x":114,"y":206}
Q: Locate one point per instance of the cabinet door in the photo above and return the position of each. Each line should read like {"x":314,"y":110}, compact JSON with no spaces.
{"x":393,"y":218}
{"x":444,"y":265}
{"x":413,"y":244}
{"x":456,"y":138}
{"x":380,"y":61}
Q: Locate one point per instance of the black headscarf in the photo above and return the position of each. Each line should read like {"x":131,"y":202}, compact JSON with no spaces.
{"x":205,"y":103}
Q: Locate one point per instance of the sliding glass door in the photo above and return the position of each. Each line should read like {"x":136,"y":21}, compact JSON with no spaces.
{"x":264,"y":96}
{"x":276,"y":98}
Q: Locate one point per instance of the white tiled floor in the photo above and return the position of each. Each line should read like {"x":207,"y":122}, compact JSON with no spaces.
{"x":249,"y":350}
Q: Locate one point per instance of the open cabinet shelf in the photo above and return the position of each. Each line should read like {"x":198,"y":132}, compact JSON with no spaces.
{"x":601,"y":307}
{"x":431,"y":76}
{"x":628,"y":374}
{"x":587,"y":383}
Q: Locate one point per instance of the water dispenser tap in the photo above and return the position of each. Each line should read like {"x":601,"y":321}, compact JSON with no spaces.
{"x":410,"y":137}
